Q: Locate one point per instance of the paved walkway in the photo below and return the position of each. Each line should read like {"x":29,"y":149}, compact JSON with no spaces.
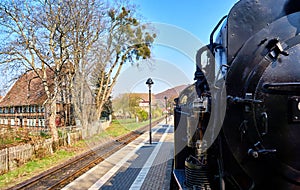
{"x":139,"y":165}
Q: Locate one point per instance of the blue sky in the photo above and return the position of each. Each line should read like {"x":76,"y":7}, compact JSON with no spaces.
{"x":182,"y":27}
{"x":196,"y":16}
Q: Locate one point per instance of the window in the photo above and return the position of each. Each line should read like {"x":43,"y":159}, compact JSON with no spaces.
{"x":43,"y":122}
{"x":17,"y":121}
{"x":32,"y":109}
{"x":12,"y":121}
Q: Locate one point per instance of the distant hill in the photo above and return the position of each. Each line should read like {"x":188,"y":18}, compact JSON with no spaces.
{"x":158,"y":99}
{"x":170,"y":93}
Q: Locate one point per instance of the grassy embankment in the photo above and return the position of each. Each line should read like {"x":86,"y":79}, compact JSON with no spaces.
{"x":37,"y":165}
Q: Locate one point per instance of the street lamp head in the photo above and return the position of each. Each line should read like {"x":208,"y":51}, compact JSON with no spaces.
{"x":149,"y":82}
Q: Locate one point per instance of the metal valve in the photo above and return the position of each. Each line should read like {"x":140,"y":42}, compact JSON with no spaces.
{"x":259,"y":150}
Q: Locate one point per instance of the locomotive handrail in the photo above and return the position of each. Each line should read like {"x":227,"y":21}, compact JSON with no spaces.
{"x":211,"y":38}
{"x":285,"y":88}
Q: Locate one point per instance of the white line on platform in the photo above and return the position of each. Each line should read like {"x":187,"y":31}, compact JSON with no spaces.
{"x":114,"y":169}
{"x":137,"y":184}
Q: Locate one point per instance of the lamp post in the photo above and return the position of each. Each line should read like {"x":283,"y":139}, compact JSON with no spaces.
{"x":149,"y":82}
{"x":166,"y":109}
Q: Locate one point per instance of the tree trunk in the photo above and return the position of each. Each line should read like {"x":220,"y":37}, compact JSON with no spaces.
{"x":51,"y":115}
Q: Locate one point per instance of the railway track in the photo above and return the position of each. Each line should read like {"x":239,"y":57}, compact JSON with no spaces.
{"x":63,"y":174}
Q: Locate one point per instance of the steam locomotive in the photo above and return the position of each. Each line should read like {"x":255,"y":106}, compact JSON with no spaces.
{"x":238,"y":125}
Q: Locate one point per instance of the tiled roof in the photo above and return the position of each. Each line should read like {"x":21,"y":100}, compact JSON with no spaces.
{"x":143,"y":96}
{"x":28,"y":90}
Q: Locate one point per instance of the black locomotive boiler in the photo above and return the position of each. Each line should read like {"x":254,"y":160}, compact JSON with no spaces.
{"x":237,"y":126}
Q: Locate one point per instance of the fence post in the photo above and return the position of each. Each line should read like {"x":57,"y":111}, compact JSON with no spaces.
{"x":68,"y":138}
{"x":7,"y":159}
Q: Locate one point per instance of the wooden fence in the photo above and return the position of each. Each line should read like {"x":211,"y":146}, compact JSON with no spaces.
{"x":13,"y":157}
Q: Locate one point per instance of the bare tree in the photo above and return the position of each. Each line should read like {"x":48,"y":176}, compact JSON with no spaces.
{"x":32,"y":40}
{"x":72,"y":39}
{"x":127,"y":41}
{"x":53,"y":35}
{"x":89,"y":20}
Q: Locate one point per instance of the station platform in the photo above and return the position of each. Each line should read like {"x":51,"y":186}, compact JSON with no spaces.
{"x":139,"y":165}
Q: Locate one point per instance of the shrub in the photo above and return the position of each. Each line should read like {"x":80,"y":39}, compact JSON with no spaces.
{"x":45,"y":134}
{"x":142,"y":115}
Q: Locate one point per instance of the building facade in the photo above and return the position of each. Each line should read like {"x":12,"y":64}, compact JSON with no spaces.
{"x":25,"y":103}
